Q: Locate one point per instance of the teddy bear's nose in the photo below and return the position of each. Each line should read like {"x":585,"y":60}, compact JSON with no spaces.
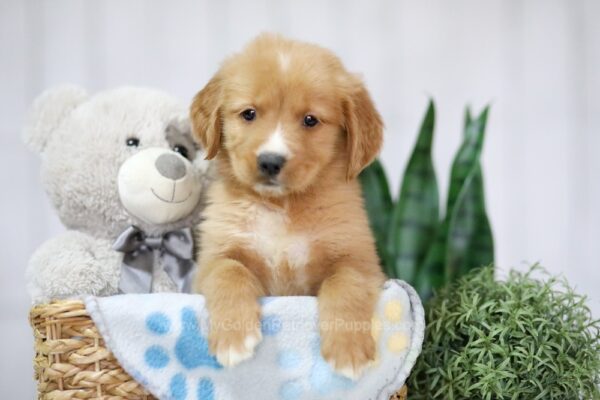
{"x":170,"y":166}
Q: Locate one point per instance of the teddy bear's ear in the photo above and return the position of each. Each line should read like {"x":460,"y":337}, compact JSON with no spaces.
{"x":49,"y":109}
{"x":181,"y":122}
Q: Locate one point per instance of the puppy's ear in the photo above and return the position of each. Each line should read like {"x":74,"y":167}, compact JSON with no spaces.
{"x":364,"y":129}
{"x":205,"y":116}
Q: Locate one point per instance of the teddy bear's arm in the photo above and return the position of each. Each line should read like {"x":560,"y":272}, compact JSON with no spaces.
{"x":71,"y":265}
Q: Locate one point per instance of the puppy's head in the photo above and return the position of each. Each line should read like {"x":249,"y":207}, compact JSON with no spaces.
{"x":283,"y":113}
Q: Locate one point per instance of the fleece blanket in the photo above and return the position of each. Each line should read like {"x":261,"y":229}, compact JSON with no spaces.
{"x":160,"y":340}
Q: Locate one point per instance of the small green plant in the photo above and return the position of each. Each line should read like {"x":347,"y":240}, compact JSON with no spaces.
{"x":413,"y":243}
{"x":521,"y":338}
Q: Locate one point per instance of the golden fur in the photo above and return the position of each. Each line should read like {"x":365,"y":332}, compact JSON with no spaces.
{"x":305,"y":234}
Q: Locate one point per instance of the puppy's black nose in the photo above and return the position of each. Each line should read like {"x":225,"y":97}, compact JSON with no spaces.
{"x":170,"y":166}
{"x":270,"y":164}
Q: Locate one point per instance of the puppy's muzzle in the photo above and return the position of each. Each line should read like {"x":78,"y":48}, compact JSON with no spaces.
{"x":270,"y":164}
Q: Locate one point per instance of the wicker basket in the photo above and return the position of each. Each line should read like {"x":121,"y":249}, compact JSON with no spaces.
{"x":71,"y":361}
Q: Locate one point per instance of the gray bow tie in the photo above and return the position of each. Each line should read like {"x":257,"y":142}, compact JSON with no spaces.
{"x":173,"y":251}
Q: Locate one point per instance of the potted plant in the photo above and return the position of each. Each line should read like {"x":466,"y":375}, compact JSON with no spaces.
{"x":518,"y":338}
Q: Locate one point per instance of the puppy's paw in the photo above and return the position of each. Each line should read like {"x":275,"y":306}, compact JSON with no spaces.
{"x":233,"y":350}
{"x":233,"y":341}
{"x":348,"y":352}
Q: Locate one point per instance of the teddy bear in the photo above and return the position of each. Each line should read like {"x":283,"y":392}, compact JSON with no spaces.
{"x":127,"y":181}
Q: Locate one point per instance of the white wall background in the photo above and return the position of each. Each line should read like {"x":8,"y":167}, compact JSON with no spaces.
{"x":537,"y":62}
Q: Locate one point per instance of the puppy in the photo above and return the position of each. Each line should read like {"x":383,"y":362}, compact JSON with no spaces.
{"x":290,"y":130}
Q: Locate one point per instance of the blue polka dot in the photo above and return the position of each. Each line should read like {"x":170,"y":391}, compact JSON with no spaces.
{"x":158,"y":323}
{"x":271,"y":325}
{"x":178,"y":387}
{"x":323,"y":379}
{"x":206,"y":389}
{"x":288,"y":359}
{"x":156,"y":357}
{"x":290,"y":390}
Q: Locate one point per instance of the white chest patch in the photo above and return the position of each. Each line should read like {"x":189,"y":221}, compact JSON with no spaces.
{"x":269,"y":236}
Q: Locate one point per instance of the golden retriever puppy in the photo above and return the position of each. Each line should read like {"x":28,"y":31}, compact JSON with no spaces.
{"x":290,"y":130}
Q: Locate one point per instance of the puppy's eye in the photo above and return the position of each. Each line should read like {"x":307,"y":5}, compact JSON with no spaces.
{"x":132,"y":142}
{"x":310,"y":120}
{"x":181,"y":150}
{"x":248,"y":114}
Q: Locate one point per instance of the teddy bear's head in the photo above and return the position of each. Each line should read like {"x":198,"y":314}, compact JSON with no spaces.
{"x":121,"y":157}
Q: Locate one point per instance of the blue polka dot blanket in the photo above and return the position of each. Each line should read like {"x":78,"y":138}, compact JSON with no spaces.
{"x":160,"y":340}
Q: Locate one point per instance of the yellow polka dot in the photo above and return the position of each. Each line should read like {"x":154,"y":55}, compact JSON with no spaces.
{"x":393,"y":311}
{"x":397,"y":342}
{"x":376,"y":327}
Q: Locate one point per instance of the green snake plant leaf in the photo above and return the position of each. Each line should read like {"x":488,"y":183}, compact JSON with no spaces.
{"x":416,"y":214}
{"x":447,"y":256}
{"x":469,"y":242}
{"x":431,"y":273}
{"x":378,"y":203}
{"x":467,"y":157}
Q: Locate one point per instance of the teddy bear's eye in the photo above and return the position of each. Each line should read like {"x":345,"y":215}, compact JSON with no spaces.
{"x":181,"y":150}
{"x":133,"y":142}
